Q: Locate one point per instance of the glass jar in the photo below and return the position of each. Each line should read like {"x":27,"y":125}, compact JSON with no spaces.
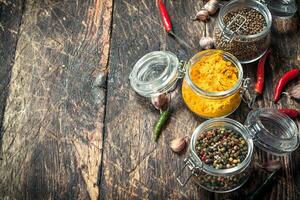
{"x":236,"y":33}
{"x":155,"y":73}
{"x":282,"y":8}
{"x":268,"y":129}
{"x":211,"y":104}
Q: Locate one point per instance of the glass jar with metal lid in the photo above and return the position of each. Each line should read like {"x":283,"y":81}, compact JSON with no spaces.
{"x":157,"y":73}
{"x":243,"y":29}
{"x":267,"y":129}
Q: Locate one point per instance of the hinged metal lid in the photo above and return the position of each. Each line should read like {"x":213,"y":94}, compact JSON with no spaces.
{"x":155,"y":73}
{"x":228,"y":34}
{"x":273,"y":131}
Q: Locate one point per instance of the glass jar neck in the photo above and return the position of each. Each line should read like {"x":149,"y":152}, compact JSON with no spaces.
{"x":214,"y":95}
{"x":222,"y":122}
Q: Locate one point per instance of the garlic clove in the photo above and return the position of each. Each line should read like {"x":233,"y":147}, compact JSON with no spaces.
{"x":295,"y":92}
{"x":207,"y":43}
{"x":212,"y":6}
{"x":161,"y":102}
{"x":178,"y":145}
{"x":202,"y":15}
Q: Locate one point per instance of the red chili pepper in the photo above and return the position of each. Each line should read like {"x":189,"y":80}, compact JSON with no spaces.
{"x":261,"y":73}
{"x":283,"y":81}
{"x":203,"y":158}
{"x":165,"y":16}
{"x":292,"y":113}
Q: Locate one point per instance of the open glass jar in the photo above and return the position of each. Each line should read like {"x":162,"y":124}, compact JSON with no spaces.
{"x":243,"y":29}
{"x":268,"y":129}
{"x":157,"y":73}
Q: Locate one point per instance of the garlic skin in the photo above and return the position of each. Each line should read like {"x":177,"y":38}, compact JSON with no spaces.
{"x":207,"y":43}
{"x":201,"y":15}
{"x":161,"y":102}
{"x":178,"y":145}
{"x":212,"y":6}
{"x":295,"y":92}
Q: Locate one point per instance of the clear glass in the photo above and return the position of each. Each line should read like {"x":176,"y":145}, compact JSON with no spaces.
{"x":211,"y":104}
{"x":267,"y":128}
{"x":247,"y":48}
{"x":282,"y":8}
{"x":273,"y":131}
{"x":155,"y":73}
{"x":222,"y":180}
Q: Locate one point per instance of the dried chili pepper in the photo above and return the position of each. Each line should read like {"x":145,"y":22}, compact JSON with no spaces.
{"x":290,"y":75}
{"x":292,"y":113}
{"x":260,"y":77}
{"x":163,"y":118}
{"x":165,"y":16}
{"x":261,"y":73}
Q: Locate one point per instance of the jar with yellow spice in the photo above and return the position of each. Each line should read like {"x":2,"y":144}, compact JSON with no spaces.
{"x":212,"y":84}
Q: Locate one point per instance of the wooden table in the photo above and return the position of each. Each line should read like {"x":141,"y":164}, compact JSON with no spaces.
{"x":71,"y":126}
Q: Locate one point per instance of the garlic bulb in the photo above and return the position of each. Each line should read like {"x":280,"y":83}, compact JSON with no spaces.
{"x":295,"y":92}
{"x":212,"y":6}
{"x":161,"y":102}
{"x":207,"y":43}
{"x":201,"y":15}
{"x":178,"y":145}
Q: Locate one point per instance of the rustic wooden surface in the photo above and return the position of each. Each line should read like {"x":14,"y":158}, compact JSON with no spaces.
{"x":67,"y":133}
{"x":53,"y":121}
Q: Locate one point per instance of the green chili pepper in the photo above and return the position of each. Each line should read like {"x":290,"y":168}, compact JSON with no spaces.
{"x":164,"y":116}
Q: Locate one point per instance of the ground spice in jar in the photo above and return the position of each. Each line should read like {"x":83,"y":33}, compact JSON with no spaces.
{"x":212,"y":73}
{"x":221,"y":148}
{"x":245,"y":49}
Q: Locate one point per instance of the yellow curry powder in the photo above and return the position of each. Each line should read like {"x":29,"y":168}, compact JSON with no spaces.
{"x":212,"y":74}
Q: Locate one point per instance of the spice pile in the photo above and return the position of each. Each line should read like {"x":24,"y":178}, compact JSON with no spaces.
{"x":214,"y":74}
{"x":245,"y":49}
{"x":254,"y":23}
{"x":221,"y":148}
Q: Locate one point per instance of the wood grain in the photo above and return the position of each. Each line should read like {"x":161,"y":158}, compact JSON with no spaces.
{"x":10,"y":19}
{"x":134,"y":167}
{"x":52,"y":128}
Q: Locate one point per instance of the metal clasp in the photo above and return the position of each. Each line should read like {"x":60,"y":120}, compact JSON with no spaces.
{"x":181,"y":69}
{"x":245,"y":92}
{"x":188,"y":162}
{"x":238,"y":20}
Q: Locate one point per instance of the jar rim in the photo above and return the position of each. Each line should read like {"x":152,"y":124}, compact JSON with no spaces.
{"x":265,"y":12}
{"x":233,"y":124}
{"x":227,"y":56}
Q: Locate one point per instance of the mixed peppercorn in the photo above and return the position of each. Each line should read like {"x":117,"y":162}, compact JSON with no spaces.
{"x":221,"y":148}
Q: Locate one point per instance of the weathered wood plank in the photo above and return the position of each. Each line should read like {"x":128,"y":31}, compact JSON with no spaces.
{"x":52,"y":129}
{"x":10,"y":18}
{"x":134,"y":167}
